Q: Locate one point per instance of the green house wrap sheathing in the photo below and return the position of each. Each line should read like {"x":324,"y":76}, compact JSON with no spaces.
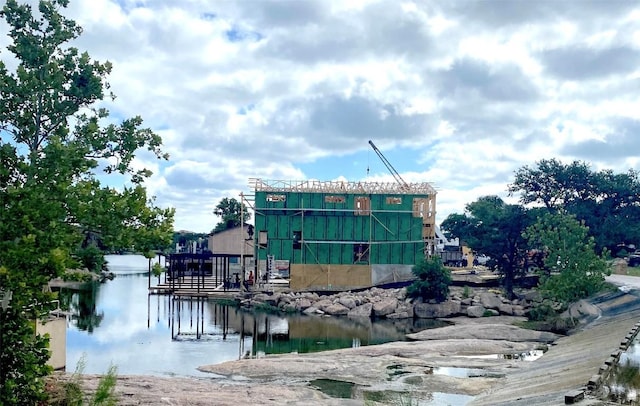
{"x":330,"y":228}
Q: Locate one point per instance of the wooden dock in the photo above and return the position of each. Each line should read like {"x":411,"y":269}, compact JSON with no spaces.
{"x":193,"y":286}
{"x":205,"y":287}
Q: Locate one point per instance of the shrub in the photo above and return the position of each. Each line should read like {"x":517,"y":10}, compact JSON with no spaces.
{"x":433,"y":280}
{"x":156,"y":269}
{"x":70,"y":392}
{"x":91,"y":257}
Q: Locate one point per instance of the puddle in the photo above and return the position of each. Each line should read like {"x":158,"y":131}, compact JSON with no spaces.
{"x":522,"y":356}
{"x":393,"y":394}
{"x":334,"y":388}
{"x":459,"y":372}
{"x":391,"y":397}
{"x":623,"y":384}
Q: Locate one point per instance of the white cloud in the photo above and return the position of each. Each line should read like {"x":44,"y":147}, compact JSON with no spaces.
{"x":289,"y":89}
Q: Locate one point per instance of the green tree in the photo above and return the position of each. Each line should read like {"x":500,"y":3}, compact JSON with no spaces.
{"x":607,"y":202}
{"x":229,"y":210}
{"x":458,"y":226}
{"x":433,"y":280}
{"x":493,"y":228}
{"x":54,"y":211}
{"x":572,"y":270}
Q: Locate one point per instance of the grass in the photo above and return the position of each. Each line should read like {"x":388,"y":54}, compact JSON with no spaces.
{"x":70,"y":393}
{"x":633,"y":271}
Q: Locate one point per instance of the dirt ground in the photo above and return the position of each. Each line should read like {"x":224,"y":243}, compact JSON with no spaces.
{"x":408,"y":367}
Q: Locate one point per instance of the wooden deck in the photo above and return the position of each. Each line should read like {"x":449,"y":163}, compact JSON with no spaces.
{"x":202,"y":287}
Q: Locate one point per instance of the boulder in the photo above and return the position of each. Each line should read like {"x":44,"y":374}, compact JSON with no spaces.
{"x":261,"y":297}
{"x":323,"y":304}
{"x":302,"y":304}
{"x":385,"y":306}
{"x":476,"y":311}
{"x":490,"y":300}
{"x":519,"y":311}
{"x":312,"y":310}
{"x":289,"y":308}
{"x":505,"y":308}
{"x":532,"y":296}
{"x":336,"y":309}
{"x":347,"y":302}
{"x":449,"y":308}
{"x":400,"y":315}
{"x":362,"y":311}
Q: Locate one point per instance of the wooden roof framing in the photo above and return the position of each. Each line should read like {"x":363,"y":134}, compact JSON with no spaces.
{"x":337,"y":186}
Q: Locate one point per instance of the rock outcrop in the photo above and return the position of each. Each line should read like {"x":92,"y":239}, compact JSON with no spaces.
{"x":394,"y":304}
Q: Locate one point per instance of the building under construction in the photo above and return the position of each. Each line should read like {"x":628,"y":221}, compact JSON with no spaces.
{"x":339,"y":235}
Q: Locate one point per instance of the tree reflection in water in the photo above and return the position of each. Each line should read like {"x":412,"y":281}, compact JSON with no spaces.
{"x":80,"y":302}
{"x":278,"y":334}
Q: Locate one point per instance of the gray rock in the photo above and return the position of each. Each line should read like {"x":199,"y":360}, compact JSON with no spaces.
{"x":449,"y":308}
{"x":336,"y":309}
{"x":490,"y":300}
{"x":505,"y":308}
{"x":475,"y":311}
{"x":312,"y":310}
{"x":483,"y":331}
{"x":405,"y":308}
{"x":385,"y":306}
{"x":261,"y":297}
{"x":533,"y":296}
{"x":289,"y":308}
{"x":302,"y":304}
{"x":323,"y":304}
{"x":362,"y":311}
{"x":519,"y":311}
{"x":400,"y":315}
{"x":347,"y":302}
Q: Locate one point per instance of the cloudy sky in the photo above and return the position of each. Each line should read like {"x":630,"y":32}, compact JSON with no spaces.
{"x":457,"y":93}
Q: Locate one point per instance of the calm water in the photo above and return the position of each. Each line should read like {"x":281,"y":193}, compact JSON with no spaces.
{"x":119,"y":323}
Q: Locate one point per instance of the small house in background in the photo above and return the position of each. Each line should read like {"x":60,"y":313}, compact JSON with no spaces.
{"x":340,"y":235}
{"x":234,"y":241}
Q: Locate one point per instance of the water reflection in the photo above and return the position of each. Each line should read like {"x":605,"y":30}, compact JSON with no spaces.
{"x":81,"y":303}
{"x":623,"y":382}
{"x":119,"y":322}
{"x":200,"y":319}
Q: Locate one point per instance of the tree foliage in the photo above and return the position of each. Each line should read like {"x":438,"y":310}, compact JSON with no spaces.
{"x":493,"y":228}
{"x":433,"y":280}
{"x":56,"y":147}
{"x":608,"y":203}
{"x":229,"y":210}
{"x":572,"y":269}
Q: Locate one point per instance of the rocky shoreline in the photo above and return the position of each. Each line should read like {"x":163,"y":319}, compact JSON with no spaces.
{"x":394,"y":303}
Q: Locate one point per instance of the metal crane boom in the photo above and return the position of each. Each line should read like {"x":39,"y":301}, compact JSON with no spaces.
{"x":390,"y":167}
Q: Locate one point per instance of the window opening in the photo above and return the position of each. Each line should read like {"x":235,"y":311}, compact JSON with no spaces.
{"x":297,"y":238}
{"x":334,"y":199}
{"x":419,"y":207}
{"x":263,"y":239}
{"x":361,"y":253}
{"x":362,"y":206}
{"x":276,"y":198}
